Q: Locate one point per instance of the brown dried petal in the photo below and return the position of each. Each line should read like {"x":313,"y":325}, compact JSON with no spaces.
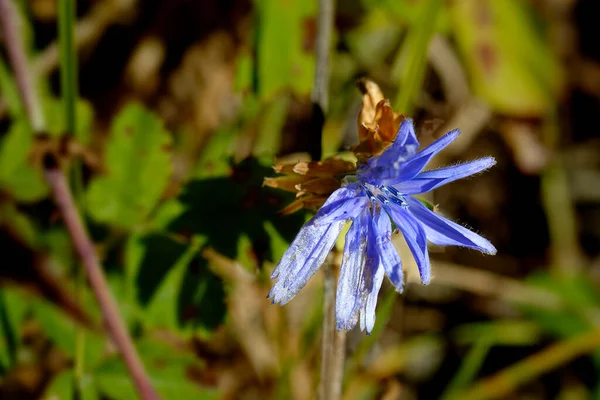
{"x":377,"y":122}
{"x":372,"y":95}
{"x":309,"y":202}
{"x":328,"y":168}
{"x":319,"y":185}
{"x":387,"y":120}
{"x":284,"y":168}
{"x":288,"y":182}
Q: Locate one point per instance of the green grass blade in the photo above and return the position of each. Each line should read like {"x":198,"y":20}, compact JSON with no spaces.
{"x":413,"y":56}
{"x":68,"y":61}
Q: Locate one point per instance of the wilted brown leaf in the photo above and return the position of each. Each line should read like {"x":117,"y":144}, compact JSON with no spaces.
{"x":377,"y":122}
{"x":312,"y":181}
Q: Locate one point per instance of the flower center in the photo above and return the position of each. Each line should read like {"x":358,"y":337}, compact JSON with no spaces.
{"x":385,"y":194}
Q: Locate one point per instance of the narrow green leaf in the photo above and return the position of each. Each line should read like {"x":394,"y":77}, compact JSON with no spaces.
{"x":501,"y":332}
{"x":469,"y":368}
{"x":61,"y":387}
{"x":138,"y":159}
{"x":13,"y":308}
{"x":413,"y":56}
{"x":284,"y":59}
{"x":68,"y":62}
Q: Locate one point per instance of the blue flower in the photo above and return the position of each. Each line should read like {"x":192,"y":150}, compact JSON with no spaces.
{"x":380,"y":194}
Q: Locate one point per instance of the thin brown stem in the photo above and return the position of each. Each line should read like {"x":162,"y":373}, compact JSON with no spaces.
{"x":57,"y":181}
{"x":114,"y":325}
{"x":333,"y":342}
{"x":9,"y":19}
{"x":323,"y":41}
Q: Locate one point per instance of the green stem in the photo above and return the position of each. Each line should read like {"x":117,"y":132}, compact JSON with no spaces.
{"x":68,"y":62}
{"x":560,"y":212}
{"x":69,"y":91}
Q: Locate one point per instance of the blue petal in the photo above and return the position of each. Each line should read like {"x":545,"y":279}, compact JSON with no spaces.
{"x":373,"y":278}
{"x":406,"y":134}
{"x":429,"y":180}
{"x":349,"y":297}
{"x":372,"y":287}
{"x":404,"y":170}
{"x":345,"y":203}
{"x":302,"y":259}
{"x":389,"y":258}
{"x":405,"y":146}
{"x":444,"y":232}
{"x":414,"y":234}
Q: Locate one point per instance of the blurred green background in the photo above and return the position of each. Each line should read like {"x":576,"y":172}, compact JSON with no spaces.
{"x":182,"y":107}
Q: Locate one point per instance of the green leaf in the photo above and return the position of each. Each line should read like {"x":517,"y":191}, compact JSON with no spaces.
{"x":18,"y":223}
{"x":62,"y":387}
{"x":507,"y":333}
{"x":240,"y":205}
{"x":581,"y":306}
{"x":426,"y":203}
{"x":509,"y":61}
{"x":214,"y":160}
{"x":169,"y":372}
{"x":244,"y":72}
{"x":17,"y":177}
{"x":57,"y":243}
{"x":56,"y":123}
{"x":61,"y":329}
{"x":9,"y":91}
{"x":579,"y":296}
{"x":271,"y":125}
{"x":284,"y":58}
{"x":469,"y":368}
{"x":375,"y":38}
{"x":139,"y":169}
{"x":278,"y":244}
{"x":161,"y":282}
{"x":13,"y":308}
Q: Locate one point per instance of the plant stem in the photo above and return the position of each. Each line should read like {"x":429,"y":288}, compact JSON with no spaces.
{"x":320,"y":93}
{"x":115,"y":326}
{"x":558,"y":206}
{"x":333,"y":342}
{"x":9,"y":19}
{"x":62,"y":194}
{"x":69,"y":92}
{"x":68,"y":62}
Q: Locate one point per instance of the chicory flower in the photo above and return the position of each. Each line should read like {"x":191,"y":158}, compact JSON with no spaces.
{"x":379,"y":195}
